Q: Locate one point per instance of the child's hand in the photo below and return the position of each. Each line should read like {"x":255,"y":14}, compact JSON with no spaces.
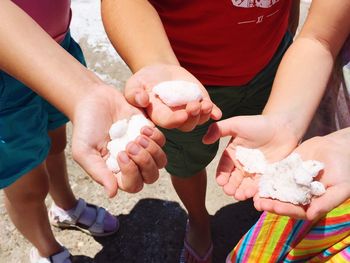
{"x":332,"y":150}
{"x":274,"y":140}
{"x":139,"y":164}
{"x":186,"y":118}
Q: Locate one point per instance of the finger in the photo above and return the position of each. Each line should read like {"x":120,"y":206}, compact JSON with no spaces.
{"x":247,"y":189}
{"x":224,"y":169}
{"x":147,"y":167}
{"x":190,"y":124}
{"x":154,"y":134}
{"x":333,"y":197}
{"x":154,"y":150}
{"x":218,"y":130}
{"x":282,"y":208}
{"x":135,"y":93}
{"x":92,"y":162}
{"x":234,"y":182}
{"x":216,"y":113}
{"x":129,"y":177}
{"x":164,"y":116}
{"x":206,"y":109}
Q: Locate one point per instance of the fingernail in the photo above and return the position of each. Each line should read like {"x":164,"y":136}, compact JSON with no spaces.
{"x":147,"y":131}
{"x":195,"y":113}
{"x":134,"y":149}
{"x":143,"y":142}
{"x":138,"y":99}
{"x":124,"y":157}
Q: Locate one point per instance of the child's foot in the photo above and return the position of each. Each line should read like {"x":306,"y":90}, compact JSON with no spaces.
{"x":88,"y":218}
{"x":60,"y":257}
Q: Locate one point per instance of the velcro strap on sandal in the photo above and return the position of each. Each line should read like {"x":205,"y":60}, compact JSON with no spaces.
{"x":79,"y":209}
{"x":98,"y":226}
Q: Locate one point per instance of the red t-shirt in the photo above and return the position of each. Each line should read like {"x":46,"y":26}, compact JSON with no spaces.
{"x":224,"y":42}
{"x":52,"y":15}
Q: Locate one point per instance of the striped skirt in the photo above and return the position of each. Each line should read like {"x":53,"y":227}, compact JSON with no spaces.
{"x":277,"y":238}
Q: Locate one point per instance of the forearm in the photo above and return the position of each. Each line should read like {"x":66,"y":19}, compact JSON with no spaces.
{"x":30,"y":55}
{"x":299,"y":84}
{"x":305,"y":69}
{"x":137,"y":33}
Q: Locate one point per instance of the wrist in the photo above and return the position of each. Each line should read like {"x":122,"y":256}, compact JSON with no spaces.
{"x":286,"y":124}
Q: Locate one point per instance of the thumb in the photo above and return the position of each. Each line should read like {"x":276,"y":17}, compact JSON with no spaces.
{"x":220,"y":129}
{"x":334,"y":196}
{"x":96,"y":167}
{"x":135,"y":93}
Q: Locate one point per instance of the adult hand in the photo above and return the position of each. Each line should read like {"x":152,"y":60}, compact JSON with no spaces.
{"x":268,"y":134}
{"x":332,"y":151}
{"x":138,"y":92}
{"x":93,"y":116}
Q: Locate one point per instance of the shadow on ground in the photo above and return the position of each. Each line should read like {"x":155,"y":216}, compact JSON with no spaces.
{"x":154,"y":230}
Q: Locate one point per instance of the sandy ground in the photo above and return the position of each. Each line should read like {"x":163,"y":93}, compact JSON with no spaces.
{"x":152,"y":221}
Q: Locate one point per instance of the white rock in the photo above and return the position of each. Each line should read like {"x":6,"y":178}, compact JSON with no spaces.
{"x":112,"y":164}
{"x":122,"y":132}
{"x":118,"y":129}
{"x":289,"y":180}
{"x":317,"y":188}
{"x":252,"y":160}
{"x":177,"y":92}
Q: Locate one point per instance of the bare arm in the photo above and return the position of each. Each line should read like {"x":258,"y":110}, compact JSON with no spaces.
{"x":137,"y":33}
{"x":305,"y":69}
{"x":30,"y":55}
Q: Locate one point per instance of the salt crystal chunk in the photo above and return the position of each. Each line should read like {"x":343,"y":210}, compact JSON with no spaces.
{"x":317,"y":188}
{"x":302,"y":176}
{"x":177,"y":92}
{"x":313,"y":167}
{"x":122,"y":132}
{"x":112,"y":164}
{"x":289,"y":180}
{"x":118,"y":129}
{"x":253,"y":160}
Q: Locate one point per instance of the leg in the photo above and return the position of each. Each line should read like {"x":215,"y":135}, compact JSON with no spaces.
{"x":60,"y":189}
{"x":59,"y":186}
{"x":192,"y":193}
{"x":24,"y":201}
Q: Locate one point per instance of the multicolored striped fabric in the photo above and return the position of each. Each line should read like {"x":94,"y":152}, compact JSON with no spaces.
{"x":277,"y":238}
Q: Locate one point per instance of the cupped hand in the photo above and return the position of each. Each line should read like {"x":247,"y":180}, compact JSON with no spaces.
{"x":274,"y":139}
{"x":138,"y":92}
{"x":139,"y":163}
{"x":332,"y":150}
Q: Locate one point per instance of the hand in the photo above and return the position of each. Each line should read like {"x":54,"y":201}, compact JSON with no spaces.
{"x":93,"y":116}
{"x":268,"y":134}
{"x":185,"y":118}
{"x":332,"y":150}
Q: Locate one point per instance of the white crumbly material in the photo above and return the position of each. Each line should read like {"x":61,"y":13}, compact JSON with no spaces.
{"x":122,"y":132}
{"x":289,"y":180}
{"x":177,"y":92}
{"x":252,"y":160}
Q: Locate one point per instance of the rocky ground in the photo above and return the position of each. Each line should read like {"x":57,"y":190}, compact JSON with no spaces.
{"x":152,"y":221}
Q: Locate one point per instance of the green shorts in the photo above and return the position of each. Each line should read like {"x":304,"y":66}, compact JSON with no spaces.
{"x":186,"y":153}
{"x":25,"y":119}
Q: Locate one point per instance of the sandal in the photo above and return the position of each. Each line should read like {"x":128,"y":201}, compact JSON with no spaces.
{"x":189,"y":254}
{"x":59,"y":218}
{"x":60,"y":257}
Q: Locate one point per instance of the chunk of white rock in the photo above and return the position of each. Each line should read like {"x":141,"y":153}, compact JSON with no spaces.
{"x":289,"y":180}
{"x":177,"y":92}
{"x":252,"y":160}
{"x":118,"y":129}
{"x":317,"y":188}
{"x":122,"y":132}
